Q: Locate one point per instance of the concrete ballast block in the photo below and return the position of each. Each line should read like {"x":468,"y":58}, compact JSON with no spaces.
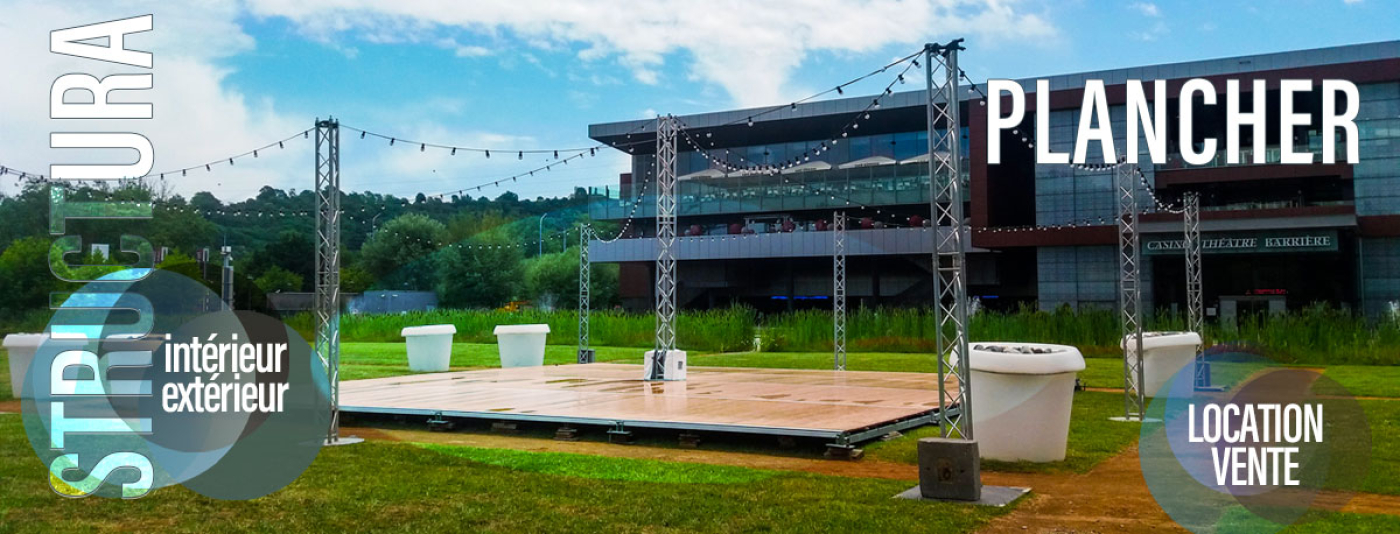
{"x":949,"y":469}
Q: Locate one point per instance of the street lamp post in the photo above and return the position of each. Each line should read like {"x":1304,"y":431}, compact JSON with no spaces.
{"x":541,"y":236}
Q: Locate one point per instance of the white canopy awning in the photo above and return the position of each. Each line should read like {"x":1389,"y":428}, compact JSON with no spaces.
{"x":868,"y":162}
{"x":707,"y":173}
{"x":921,"y":158}
{"x":809,"y":166}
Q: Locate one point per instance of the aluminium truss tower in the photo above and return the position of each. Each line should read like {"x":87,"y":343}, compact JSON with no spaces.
{"x":1195,"y":306}
{"x":1130,"y":290}
{"x":949,"y":257}
{"x":666,"y":127}
{"x":327,"y":296}
{"x":585,"y":274}
{"x":838,"y":288}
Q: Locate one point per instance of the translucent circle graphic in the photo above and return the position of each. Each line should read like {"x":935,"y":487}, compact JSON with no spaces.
{"x":238,"y":415}
{"x":1276,"y":443}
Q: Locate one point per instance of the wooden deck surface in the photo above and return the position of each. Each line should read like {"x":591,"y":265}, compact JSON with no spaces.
{"x":712,"y":396}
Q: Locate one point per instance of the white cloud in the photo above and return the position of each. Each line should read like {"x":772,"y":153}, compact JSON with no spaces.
{"x":1147,"y":9}
{"x":197,"y":116}
{"x":1156,"y":31}
{"x":472,"y":51}
{"x":749,"y":48}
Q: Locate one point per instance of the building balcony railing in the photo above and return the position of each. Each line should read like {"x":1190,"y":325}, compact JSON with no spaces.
{"x":1272,"y":155}
{"x":1274,"y":205}
{"x":877,"y":185}
{"x":878,"y":242}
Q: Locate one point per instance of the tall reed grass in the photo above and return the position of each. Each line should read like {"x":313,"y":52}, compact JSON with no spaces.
{"x":723,"y":330}
{"x":1314,"y":335}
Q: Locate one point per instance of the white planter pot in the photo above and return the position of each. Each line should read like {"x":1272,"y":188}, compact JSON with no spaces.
{"x":21,"y":349}
{"x":1164,"y":354}
{"x":1021,"y":401}
{"x":521,"y":345}
{"x":429,"y":347}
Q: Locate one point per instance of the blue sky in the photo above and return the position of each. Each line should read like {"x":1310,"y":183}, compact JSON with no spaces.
{"x":234,"y":75}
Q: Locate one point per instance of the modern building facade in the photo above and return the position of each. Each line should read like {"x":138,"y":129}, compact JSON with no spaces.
{"x":1276,"y":236}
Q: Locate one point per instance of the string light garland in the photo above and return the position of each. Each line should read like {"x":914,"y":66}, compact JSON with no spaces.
{"x":632,"y":212}
{"x":853,"y":124}
{"x":777,"y":170}
{"x":561,"y":156}
{"x":453,"y":149}
{"x":25,"y":176}
{"x":839,"y":90}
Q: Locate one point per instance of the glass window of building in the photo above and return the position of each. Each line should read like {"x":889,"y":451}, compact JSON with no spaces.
{"x":860,"y":148}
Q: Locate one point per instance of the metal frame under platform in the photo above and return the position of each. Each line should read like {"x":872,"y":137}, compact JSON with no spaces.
{"x":847,"y":407}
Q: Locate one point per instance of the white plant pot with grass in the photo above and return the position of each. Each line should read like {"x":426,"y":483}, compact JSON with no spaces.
{"x":521,"y":345}
{"x":21,"y":349}
{"x":1164,"y":354}
{"x":429,"y":347}
{"x":1022,"y":394}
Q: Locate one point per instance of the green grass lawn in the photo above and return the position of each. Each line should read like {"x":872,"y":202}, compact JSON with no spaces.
{"x":1093,"y":438}
{"x":402,"y":487}
{"x":428,"y":487}
{"x":1383,"y":416}
{"x":1238,"y":519}
{"x":605,"y":468}
{"x":1361,"y":381}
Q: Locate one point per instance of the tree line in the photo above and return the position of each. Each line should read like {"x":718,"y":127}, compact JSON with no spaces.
{"x":473,"y":252}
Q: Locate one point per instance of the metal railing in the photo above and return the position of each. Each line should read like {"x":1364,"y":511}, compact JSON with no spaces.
{"x":879,"y":185}
{"x":1273,"y":154}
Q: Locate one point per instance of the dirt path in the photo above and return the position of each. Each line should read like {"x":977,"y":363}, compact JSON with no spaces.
{"x":1113,"y":497}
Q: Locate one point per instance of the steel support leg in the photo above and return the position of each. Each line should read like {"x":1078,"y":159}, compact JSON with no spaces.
{"x":949,"y":260}
{"x":1195,"y":299}
{"x":666,"y":244}
{"x":585,"y":275}
{"x":838,"y":288}
{"x":1130,"y":291}
{"x":327,"y":295}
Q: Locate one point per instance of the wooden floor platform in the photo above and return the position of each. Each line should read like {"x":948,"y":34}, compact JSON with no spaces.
{"x":846,"y":406}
